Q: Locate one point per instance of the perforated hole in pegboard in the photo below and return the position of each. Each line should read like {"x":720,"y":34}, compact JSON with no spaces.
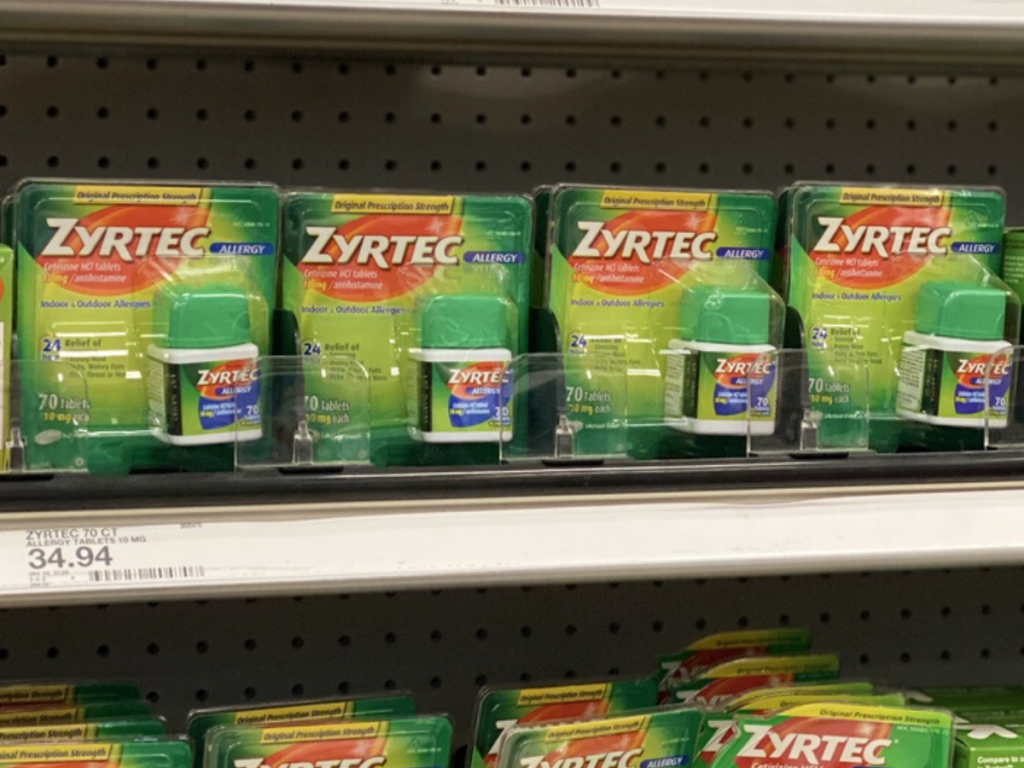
{"x":360,"y":124}
{"x":929,"y":627}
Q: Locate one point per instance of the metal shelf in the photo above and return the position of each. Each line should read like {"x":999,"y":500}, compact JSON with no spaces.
{"x":894,"y":33}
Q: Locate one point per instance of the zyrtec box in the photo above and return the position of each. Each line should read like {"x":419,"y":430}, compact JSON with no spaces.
{"x":498,"y":709}
{"x":653,"y":738}
{"x":720,"y":647}
{"x":402,"y":742}
{"x":620,"y":263}
{"x":858,"y":258}
{"x":840,"y":735}
{"x":141,"y":311}
{"x":988,"y":745}
{"x":409,"y":310}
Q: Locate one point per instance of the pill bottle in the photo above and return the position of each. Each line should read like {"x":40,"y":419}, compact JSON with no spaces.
{"x":720,"y":373}
{"x":202,"y":371}
{"x":958,"y":339}
{"x":463,"y":376}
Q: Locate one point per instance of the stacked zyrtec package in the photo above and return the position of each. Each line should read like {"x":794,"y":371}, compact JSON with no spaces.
{"x":735,"y":700}
{"x":84,"y":723}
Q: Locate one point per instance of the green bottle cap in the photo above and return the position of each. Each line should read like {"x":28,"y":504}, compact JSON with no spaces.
{"x":961,"y":310}
{"x":201,"y":317}
{"x":723,"y":316}
{"x":466,"y":321}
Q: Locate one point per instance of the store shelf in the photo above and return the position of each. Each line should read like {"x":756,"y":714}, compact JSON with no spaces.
{"x":907,"y":31}
{"x":293,"y":548}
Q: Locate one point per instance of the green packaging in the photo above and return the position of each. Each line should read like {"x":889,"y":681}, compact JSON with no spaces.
{"x":654,"y":738}
{"x":58,"y":694}
{"x":96,"y":264}
{"x":715,"y":649}
{"x":1013,"y":261}
{"x":716,"y":686}
{"x":99,"y":731}
{"x":201,"y":721}
{"x":148,"y":753}
{"x":384,"y":289}
{"x":1013,"y":718}
{"x":7,"y":220}
{"x":790,"y":700}
{"x":962,"y":699}
{"x":765,"y":698}
{"x":498,"y":709}
{"x":826,"y":735}
{"x":620,"y":265}
{"x":720,"y":725}
{"x":56,"y":714}
{"x":858,"y":258}
{"x":988,"y":745}
{"x":541,"y":230}
{"x":403,"y":742}
{"x":6,"y":329}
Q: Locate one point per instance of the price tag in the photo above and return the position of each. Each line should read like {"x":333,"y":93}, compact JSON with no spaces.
{"x":176,"y":558}
{"x":84,"y":556}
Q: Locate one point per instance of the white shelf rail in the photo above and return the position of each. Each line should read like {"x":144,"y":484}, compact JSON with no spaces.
{"x":893,"y":33}
{"x":170,"y":553}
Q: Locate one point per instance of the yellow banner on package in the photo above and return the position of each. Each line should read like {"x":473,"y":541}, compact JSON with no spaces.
{"x":72,"y":732}
{"x":106,"y":194}
{"x":906,"y":198}
{"x":610,"y":727}
{"x":341,"y":709}
{"x":653,"y":200}
{"x":534,"y":697}
{"x":55,"y":753}
{"x":17,"y":717}
{"x":34,"y":694}
{"x":742,"y":638}
{"x":332,"y":732}
{"x":403,"y":205}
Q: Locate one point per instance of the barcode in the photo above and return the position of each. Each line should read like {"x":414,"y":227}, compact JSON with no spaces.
{"x":552,"y":3}
{"x":148,"y":574}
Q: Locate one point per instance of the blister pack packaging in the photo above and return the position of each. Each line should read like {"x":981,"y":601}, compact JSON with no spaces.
{"x":657,"y":738}
{"x":828,"y":735}
{"x":202,"y":721}
{"x":143,"y":753}
{"x":903,"y":316}
{"x":724,"y":682}
{"x":498,"y":709}
{"x":720,"y":647}
{"x":143,"y":310}
{"x":664,"y":318}
{"x":407,"y":310}
{"x":401,"y":742}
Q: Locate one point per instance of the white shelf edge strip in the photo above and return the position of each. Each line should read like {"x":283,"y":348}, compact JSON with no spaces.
{"x":981,"y":12}
{"x":511,"y":545}
{"x":942,"y":29}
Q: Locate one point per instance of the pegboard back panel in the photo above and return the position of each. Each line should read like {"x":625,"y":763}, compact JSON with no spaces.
{"x":322,"y":121}
{"x":914,"y":628}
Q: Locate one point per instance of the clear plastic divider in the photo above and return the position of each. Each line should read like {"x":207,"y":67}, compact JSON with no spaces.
{"x":47,"y":421}
{"x":1002,"y":409}
{"x":313,"y":411}
{"x":563,"y":410}
{"x":807,"y":402}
